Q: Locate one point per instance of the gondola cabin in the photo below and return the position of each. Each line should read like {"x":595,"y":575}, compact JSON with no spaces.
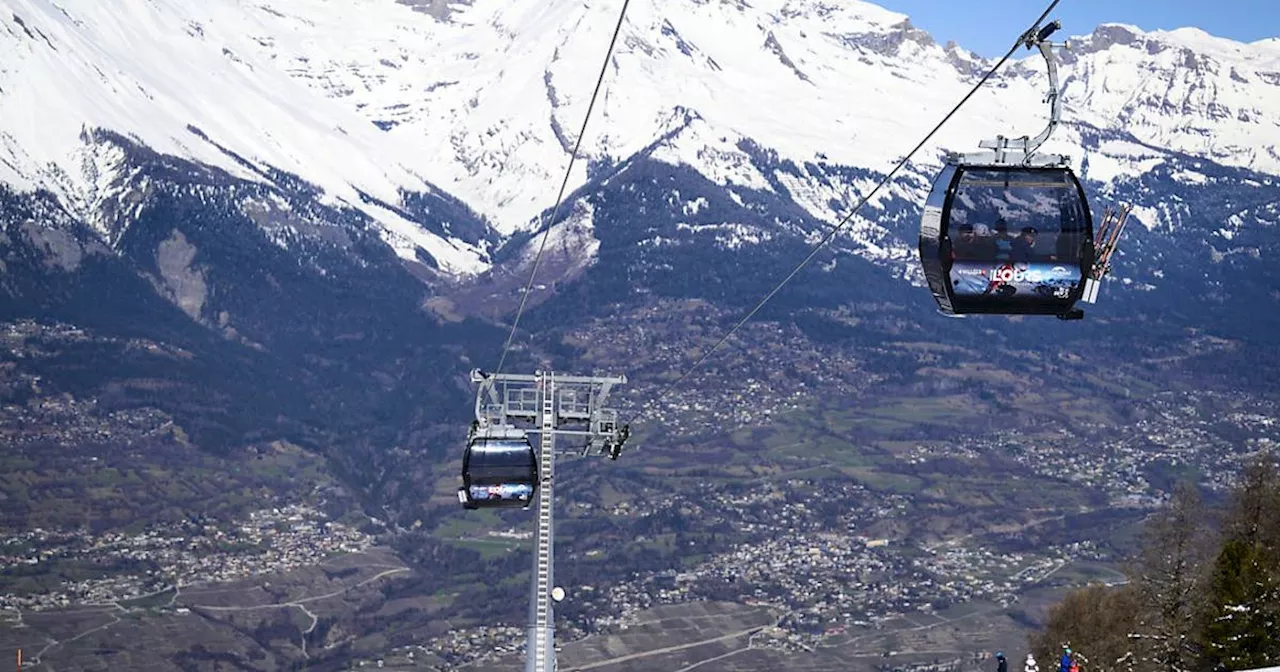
{"x":1007,"y":240}
{"x":499,"y":470}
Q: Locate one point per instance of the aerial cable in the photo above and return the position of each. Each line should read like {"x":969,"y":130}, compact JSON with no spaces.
{"x":564,"y":184}
{"x":1022,"y":40}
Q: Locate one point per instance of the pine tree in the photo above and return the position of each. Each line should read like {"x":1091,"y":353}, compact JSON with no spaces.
{"x":1242,"y":614}
{"x":1195,"y":600}
{"x":1240,"y":632}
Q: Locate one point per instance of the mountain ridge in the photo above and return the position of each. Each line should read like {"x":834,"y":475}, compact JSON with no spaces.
{"x":209,"y":270}
{"x":280,"y":262}
{"x":350,"y":73}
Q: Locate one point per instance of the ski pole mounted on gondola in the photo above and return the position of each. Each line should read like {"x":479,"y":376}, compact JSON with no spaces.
{"x":1007,"y":230}
{"x":501,"y":468}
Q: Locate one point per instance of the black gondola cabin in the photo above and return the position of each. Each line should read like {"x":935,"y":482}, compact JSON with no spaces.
{"x":499,"y":470}
{"x":1006,"y":240}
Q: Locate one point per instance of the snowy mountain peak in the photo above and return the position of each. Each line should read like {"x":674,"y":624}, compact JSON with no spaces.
{"x":374,"y":101}
{"x":1192,"y":40}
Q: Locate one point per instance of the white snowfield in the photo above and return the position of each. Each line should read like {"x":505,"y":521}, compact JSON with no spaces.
{"x":150,"y":70}
{"x":486,"y":103}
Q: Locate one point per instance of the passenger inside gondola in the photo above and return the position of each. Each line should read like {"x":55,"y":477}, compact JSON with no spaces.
{"x":985,"y":242}
{"x":1024,"y":246}
{"x":1002,"y":244}
{"x":1031,"y":250}
{"x":962,"y":247}
{"x":974,"y":242}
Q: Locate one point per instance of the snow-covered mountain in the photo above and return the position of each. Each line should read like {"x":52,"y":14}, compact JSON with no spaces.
{"x":308,"y":202}
{"x":373,"y":100}
{"x":847,"y":82}
{"x":189,"y":79}
{"x":265,"y":166}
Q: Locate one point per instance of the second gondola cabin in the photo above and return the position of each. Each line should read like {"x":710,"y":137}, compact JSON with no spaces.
{"x":1007,"y":240}
{"x":499,"y":470}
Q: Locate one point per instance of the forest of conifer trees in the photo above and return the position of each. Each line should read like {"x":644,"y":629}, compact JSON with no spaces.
{"x":1203,"y":591}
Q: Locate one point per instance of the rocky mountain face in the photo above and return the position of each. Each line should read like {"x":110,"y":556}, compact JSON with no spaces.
{"x":323,"y":204}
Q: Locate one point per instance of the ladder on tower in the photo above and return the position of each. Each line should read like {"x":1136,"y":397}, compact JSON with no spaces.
{"x":543,"y":655}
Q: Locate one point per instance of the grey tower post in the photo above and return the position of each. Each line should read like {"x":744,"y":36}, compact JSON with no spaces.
{"x":549,"y":405}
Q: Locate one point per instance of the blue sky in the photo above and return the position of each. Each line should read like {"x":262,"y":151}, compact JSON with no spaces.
{"x":989,"y":27}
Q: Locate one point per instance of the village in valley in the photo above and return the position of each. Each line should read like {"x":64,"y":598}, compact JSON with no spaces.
{"x":833,"y":520}
{"x":835,"y":557}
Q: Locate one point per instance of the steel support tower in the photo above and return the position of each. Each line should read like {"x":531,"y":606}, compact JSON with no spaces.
{"x":549,"y":405}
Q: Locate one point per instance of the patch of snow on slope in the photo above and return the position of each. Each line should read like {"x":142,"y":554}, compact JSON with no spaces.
{"x":162,"y":66}
{"x":695,"y":206}
{"x":714,"y":155}
{"x":405,"y":237}
{"x":818,"y":196}
{"x":102,"y":166}
{"x":730,"y":235}
{"x":1120,"y":158}
{"x":572,"y":239}
{"x":1146,"y":216}
{"x":1189,"y":177}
